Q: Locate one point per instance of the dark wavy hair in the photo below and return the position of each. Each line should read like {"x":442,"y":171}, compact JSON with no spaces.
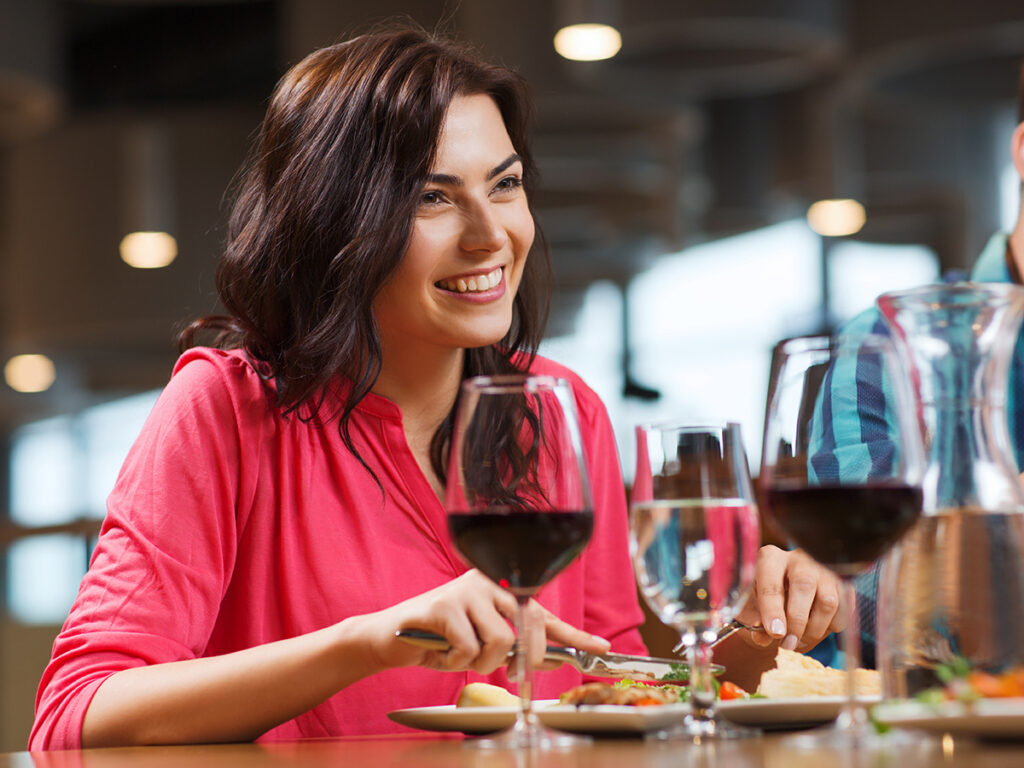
{"x":324,"y":210}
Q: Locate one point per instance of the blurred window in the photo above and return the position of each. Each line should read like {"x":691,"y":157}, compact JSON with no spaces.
{"x":858,"y":272}
{"x":703,"y":323}
{"x":62,"y":469}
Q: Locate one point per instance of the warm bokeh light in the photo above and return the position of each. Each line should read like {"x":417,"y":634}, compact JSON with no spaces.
{"x":148,"y":250}
{"x":836,"y":218}
{"x":588,"y":42}
{"x":29,"y":373}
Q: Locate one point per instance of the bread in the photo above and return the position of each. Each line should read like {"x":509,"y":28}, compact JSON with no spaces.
{"x":797,"y":676}
{"x":486,"y":695}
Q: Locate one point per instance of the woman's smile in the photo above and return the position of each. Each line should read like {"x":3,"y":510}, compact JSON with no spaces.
{"x":476,"y":286}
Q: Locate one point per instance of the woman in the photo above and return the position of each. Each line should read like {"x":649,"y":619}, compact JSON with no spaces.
{"x":279,"y":517}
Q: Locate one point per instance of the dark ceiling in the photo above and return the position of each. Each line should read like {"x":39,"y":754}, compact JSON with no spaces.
{"x":718,"y":116}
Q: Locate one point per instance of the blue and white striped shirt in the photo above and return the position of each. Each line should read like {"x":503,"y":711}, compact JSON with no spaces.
{"x":855,"y":441}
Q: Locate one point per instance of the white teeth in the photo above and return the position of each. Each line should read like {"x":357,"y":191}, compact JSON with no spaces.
{"x":473,"y":284}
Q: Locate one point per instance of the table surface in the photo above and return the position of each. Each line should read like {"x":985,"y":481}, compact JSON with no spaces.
{"x":769,"y":751}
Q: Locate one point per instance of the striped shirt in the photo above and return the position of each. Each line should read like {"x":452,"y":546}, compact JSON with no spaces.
{"x":856,"y":443}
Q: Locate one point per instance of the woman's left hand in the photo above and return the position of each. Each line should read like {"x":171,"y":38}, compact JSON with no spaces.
{"x":795,"y":599}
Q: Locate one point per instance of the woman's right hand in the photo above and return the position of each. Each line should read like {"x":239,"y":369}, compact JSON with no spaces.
{"x":476,"y":617}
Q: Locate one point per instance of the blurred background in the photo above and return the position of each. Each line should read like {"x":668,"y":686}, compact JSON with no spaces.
{"x":677,"y":177}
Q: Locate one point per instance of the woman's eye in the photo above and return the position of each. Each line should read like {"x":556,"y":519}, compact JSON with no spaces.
{"x":509,"y":183}
{"x":431,"y":197}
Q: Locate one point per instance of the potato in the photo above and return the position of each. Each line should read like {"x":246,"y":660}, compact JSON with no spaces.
{"x":486,"y":695}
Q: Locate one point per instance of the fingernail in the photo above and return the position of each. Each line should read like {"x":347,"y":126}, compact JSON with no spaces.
{"x":777,"y":627}
{"x":790,"y":642}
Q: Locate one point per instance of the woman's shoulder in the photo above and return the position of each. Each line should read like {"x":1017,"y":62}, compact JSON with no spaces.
{"x":204,"y":372}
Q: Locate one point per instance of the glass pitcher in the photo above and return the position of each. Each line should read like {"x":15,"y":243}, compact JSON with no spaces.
{"x":954,"y":586}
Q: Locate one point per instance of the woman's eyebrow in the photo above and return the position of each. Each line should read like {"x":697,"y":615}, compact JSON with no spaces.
{"x":513,"y":158}
{"x":456,"y":181}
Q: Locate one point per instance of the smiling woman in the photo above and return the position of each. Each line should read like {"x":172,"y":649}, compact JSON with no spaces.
{"x":278,"y":518}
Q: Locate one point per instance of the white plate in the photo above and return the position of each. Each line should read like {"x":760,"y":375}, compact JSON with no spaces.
{"x":590,"y":719}
{"x":759,"y":713}
{"x":472,"y":720}
{"x":608,"y":718}
{"x":986,"y":718}
{"x":781,"y":714}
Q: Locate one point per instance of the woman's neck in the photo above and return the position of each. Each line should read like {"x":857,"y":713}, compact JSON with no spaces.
{"x":423,"y":383}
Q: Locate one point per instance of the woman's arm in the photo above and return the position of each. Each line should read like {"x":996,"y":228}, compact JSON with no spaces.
{"x":240,"y":695}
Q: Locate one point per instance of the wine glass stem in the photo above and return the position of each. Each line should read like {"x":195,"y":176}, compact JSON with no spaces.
{"x":698,"y":655}
{"x":853,"y":715}
{"x":524,"y":672}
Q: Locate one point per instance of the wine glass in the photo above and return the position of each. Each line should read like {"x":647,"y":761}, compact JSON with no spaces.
{"x":694,"y":536}
{"x":519,"y":504}
{"x":841,"y":472}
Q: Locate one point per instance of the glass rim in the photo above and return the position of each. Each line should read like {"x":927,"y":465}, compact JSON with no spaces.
{"x":829,"y":342}
{"x":964,"y":288}
{"x":680,"y":425}
{"x":511,"y":383}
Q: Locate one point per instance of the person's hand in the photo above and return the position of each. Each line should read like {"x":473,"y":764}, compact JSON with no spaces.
{"x":475,"y":616}
{"x":794,"y":598}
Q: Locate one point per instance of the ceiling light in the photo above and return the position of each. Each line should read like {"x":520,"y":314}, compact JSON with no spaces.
{"x":588,"y":42}
{"x":148,"y":250}
{"x":836,"y":218}
{"x":29,"y":373}
{"x":148,"y":185}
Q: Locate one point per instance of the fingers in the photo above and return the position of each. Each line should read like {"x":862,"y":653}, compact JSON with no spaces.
{"x":472,"y":614}
{"x":475,"y":616}
{"x":825,"y":615}
{"x":562,"y":633}
{"x":770,"y":594}
{"x":796,"y":598}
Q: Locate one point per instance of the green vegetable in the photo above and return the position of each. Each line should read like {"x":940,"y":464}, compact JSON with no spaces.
{"x":949,"y":671}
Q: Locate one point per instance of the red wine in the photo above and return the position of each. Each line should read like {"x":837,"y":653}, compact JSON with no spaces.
{"x":845,"y":527}
{"x":521,"y":549}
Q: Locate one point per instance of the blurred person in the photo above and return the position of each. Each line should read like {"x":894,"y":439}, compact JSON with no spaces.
{"x":1001,"y":261}
{"x":279,"y":517}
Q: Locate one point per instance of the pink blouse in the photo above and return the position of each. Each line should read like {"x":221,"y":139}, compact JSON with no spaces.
{"x":232,"y":525}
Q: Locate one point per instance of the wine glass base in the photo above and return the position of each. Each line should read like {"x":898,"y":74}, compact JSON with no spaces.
{"x":698,"y":730}
{"x":859,"y":737}
{"x":528,"y":736}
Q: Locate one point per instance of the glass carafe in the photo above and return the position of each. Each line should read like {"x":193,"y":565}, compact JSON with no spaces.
{"x":954,"y":586}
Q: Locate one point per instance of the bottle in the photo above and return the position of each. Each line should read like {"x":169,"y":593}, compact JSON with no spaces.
{"x":953,"y":587}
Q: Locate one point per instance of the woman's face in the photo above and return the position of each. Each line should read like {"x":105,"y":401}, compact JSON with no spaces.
{"x":473,"y":229}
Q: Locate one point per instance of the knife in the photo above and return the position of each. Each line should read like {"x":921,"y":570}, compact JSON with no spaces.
{"x":619,"y":665}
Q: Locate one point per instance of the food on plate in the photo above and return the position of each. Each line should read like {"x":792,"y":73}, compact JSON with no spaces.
{"x":797,"y":676}
{"x":623,"y":693}
{"x":486,"y":695}
{"x":728,"y":691}
{"x":960,"y":682}
{"x":631,"y":693}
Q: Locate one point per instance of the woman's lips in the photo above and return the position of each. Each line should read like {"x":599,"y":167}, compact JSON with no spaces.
{"x":486,"y":287}
{"x":473,"y":284}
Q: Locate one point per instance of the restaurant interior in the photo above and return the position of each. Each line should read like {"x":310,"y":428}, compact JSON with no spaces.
{"x":678,"y":180}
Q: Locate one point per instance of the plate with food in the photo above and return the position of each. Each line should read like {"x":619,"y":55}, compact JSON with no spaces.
{"x":969,"y":702}
{"x":799,"y":692}
{"x":481,"y":708}
{"x":594,"y":708}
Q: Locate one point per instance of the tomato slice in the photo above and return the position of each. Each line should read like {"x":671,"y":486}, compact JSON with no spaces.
{"x":730,"y":691}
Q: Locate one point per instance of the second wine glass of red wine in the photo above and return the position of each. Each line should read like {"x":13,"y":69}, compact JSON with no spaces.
{"x":519,"y":504}
{"x":841,"y":471}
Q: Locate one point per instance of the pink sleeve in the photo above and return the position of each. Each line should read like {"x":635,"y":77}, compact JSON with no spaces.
{"x":166,"y":549}
{"x":612,"y":609}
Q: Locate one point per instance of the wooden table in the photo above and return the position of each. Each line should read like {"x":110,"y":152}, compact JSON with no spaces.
{"x":770,"y":751}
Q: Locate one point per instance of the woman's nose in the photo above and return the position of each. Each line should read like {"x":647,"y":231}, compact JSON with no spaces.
{"x":483,"y":230}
